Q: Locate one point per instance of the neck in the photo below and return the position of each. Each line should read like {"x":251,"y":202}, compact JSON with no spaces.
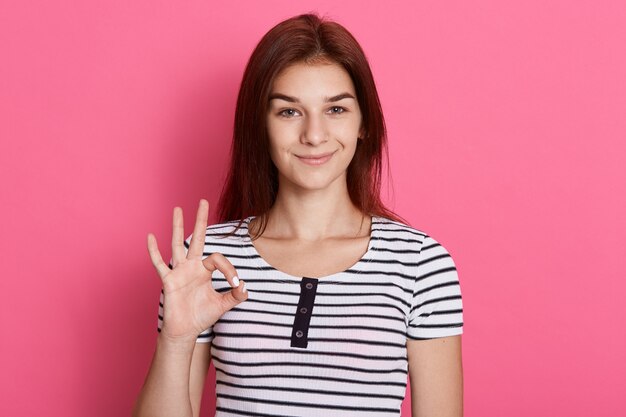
{"x":315,"y":215}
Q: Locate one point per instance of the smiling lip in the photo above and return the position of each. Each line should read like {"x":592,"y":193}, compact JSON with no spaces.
{"x":315,"y":159}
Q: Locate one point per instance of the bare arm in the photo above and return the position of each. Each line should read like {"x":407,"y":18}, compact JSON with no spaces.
{"x":200,"y":362}
{"x":436,"y":375}
{"x":175,"y":381}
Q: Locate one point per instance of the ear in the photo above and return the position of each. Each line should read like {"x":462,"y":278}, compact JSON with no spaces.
{"x":361,"y":132}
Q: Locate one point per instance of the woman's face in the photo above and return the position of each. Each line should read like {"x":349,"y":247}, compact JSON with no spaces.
{"x":313,"y":112}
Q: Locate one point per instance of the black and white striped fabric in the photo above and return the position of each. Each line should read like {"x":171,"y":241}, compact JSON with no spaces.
{"x":329,"y":346}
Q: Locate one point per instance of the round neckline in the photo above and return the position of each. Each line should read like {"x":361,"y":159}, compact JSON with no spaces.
{"x":365,"y":258}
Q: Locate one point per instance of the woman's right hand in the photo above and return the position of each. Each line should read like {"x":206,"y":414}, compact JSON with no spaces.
{"x":190,"y":304}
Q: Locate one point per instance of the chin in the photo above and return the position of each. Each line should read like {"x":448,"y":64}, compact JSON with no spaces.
{"x":321,"y":184}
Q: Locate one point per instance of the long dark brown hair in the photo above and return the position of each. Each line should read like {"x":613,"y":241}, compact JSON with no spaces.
{"x":252,"y":183}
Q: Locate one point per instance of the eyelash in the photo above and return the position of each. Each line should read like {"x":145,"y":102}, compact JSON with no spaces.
{"x":282,"y":112}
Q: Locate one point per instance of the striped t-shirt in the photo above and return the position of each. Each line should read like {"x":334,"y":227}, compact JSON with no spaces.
{"x":329,"y":346}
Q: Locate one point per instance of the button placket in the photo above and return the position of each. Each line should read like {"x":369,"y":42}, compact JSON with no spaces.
{"x":302,"y":318}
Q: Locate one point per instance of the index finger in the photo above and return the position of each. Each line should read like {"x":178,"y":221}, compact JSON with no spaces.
{"x":218,"y":261}
{"x":196,"y":246}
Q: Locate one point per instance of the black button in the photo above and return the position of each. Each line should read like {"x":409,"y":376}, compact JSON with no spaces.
{"x":303,"y":310}
{"x":299,"y":333}
{"x":309,"y":286}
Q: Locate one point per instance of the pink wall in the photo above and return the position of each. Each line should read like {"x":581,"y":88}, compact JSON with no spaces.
{"x":507,"y":131}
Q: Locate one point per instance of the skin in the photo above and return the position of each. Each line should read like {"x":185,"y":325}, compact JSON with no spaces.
{"x":313,"y":110}
{"x":174,"y":383}
{"x":302,"y":120}
{"x":310,"y":113}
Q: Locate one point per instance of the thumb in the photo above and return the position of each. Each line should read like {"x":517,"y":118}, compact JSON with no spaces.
{"x":235,"y":296}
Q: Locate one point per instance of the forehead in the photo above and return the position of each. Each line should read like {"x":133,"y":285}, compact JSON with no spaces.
{"x":323,"y":78}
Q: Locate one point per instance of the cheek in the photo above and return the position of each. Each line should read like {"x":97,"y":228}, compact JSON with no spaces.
{"x":281,"y":136}
{"x":277,"y":146}
{"x":273,"y":135}
{"x":349,"y":133}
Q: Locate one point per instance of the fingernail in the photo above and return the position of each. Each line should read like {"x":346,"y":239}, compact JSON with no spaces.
{"x":235,"y":281}
{"x":244,"y":288}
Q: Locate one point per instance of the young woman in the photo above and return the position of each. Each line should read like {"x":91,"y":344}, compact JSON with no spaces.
{"x":310,"y":297}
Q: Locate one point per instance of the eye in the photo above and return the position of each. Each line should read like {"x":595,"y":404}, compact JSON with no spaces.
{"x":337,"y":110}
{"x":288,"y":113}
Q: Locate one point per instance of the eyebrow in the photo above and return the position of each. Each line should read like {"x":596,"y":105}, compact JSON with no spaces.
{"x":295,"y":100}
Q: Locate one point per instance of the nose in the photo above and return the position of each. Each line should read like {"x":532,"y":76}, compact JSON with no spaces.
{"x":314,"y":131}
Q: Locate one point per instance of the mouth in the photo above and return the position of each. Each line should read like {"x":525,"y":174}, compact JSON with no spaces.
{"x":315,"y":159}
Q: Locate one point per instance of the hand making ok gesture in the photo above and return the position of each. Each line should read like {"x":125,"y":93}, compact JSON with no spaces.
{"x":190,"y":304}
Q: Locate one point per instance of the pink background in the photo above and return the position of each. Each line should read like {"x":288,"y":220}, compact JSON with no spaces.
{"x":507,"y":137}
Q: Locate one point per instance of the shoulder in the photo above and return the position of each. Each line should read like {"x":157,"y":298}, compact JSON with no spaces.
{"x":224,"y":233}
{"x":227,"y":227}
{"x":394,"y":233}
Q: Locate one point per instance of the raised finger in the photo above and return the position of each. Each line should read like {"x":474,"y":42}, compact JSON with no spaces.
{"x":218,"y":261}
{"x":178,"y":236}
{"x":196,"y":246}
{"x":155,"y":256}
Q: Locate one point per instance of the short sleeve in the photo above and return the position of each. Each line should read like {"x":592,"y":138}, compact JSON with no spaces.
{"x":207,"y":335}
{"x":436,"y":304}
